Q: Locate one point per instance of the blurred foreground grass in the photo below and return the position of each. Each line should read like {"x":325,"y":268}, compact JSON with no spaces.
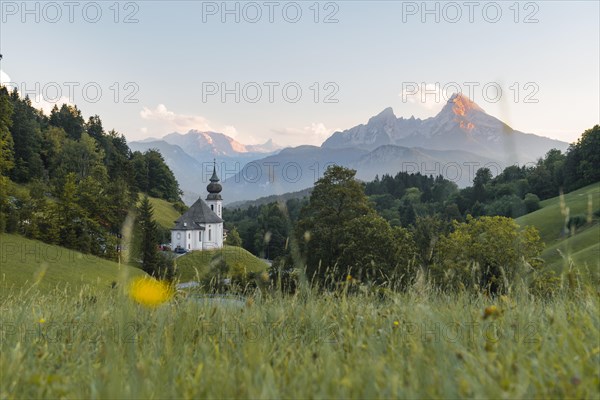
{"x":419,"y":344}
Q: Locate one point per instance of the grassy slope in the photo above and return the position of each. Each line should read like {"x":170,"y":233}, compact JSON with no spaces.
{"x":583,"y":248}
{"x":164,"y":212}
{"x":196,"y":264}
{"x":23,"y":261}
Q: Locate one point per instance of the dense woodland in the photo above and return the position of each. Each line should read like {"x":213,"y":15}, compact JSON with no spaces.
{"x":69,"y":182}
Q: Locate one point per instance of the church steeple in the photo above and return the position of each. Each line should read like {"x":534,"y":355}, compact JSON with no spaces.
{"x":214,"y":200}
{"x":214,"y":187}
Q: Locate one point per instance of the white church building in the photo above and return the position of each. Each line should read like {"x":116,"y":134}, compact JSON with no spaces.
{"x":201,"y":226}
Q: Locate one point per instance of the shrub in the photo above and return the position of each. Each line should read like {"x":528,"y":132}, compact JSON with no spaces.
{"x":575,"y":222}
{"x":532,"y":202}
{"x":486,"y":254}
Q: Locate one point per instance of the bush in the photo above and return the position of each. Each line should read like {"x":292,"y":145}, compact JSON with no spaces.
{"x":575,"y":222}
{"x":506,"y":206}
{"x":544,"y":284}
{"x":486,"y":254}
{"x":532,"y":202}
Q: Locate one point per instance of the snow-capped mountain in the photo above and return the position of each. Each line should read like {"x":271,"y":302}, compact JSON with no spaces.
{"x":201,"y":144}
{"x":460,"y":125}
{"x":461,"y":138}
{"x":190,"y":156}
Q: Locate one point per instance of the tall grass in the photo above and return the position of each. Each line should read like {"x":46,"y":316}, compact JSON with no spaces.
{"x":418,"y":344}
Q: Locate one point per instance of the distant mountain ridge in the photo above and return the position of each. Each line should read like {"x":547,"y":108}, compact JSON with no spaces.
{"x":460,"y":125}
{"x":200,"y":144}
{"x":190,"y":154}
{"x":461,"y":138}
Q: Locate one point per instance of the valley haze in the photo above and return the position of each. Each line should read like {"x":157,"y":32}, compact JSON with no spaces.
{"x":456,"y":142}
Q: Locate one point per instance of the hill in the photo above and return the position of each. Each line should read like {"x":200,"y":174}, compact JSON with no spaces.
{"x":164,"y":212}
{"x":281,"y":198}
{"x":583,"y":248}
{"x":549,"y":219}
{"x":195,"y":265}
{"x":24,"y":262}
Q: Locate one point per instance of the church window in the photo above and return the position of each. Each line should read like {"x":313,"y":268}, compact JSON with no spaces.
{"x":209,"y":236}
{"x":178,"y":235}
{"x":212,"y":207}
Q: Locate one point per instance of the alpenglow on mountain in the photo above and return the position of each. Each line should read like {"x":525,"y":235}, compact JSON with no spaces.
{"x":460,"y":125}
{"x":461,"y":138}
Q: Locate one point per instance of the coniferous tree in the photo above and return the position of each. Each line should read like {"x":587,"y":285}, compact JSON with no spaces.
{"x":148,"y":232}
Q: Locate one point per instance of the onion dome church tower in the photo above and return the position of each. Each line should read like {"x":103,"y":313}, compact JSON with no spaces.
{"x":201,"y":226}
{"x":214,"y":200}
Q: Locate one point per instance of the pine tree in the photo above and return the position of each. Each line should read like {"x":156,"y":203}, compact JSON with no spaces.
{"x":149,"y":234}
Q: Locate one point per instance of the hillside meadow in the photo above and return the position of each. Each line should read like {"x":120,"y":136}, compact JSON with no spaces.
{"x":580,"y":248}
{"x":31,"y":265}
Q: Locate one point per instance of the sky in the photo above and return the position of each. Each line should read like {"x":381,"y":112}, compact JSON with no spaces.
{"x":295,"y":72}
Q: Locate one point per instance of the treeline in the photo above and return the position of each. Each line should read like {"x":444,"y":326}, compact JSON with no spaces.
{"x":405,"y":198}
{"x":69,"y":182}
{"x":514,"y":192}
{"x":264,"y":230}
{"x":394,"y":228}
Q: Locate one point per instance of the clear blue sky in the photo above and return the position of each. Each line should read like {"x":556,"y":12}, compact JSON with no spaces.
{"x":177,"y":50}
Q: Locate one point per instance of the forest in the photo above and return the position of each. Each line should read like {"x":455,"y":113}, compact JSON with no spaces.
{"x":68,"y":181}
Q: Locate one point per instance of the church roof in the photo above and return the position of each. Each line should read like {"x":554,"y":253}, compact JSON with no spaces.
{"x":198,"y":214}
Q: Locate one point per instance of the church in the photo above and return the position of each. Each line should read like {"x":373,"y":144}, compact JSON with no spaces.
{"x":201,"y":226}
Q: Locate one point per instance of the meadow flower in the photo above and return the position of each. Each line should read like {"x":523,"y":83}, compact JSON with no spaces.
{"x":150,"y":292}
{"x":42,"y":321}
{"x":491,"y":311}
{"x":396,"y":324}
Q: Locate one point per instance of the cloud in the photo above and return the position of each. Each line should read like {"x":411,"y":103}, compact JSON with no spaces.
{"x":230,"y":131}
{"x":314,"y":134}
{"x":40,"y":103}
{"x":164,"y":121}
{"x":169,"y":120}
{"x":37,"y":100}
{"x":4,"y":78}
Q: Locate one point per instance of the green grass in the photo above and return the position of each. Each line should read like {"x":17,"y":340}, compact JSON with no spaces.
{"x":195,"y":265}
{"x":164,"y":212}
{"x":581,"y":249}
{"x":23,"y":262}
{"x":550,"y":221}
{"x":305,"y":346}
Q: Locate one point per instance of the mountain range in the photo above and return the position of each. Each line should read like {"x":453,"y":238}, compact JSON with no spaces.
{"x":457,"y":141}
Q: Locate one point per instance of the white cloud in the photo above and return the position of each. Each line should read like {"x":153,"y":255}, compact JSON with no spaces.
{"x":164,"y":121}
{"x":315,"y":134}
{"x":167,"y":121}
{"x":37,"y":100}
{"x":4,"y":78}
{"x":230,"y":130}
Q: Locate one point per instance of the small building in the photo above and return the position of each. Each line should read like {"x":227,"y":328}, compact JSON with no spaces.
{"x":201,"y":226}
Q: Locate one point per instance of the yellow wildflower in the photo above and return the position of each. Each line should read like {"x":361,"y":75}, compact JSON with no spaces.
{"x":150,"y":292}
{"x":491,"y":311}
{"x":42,"y":321}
